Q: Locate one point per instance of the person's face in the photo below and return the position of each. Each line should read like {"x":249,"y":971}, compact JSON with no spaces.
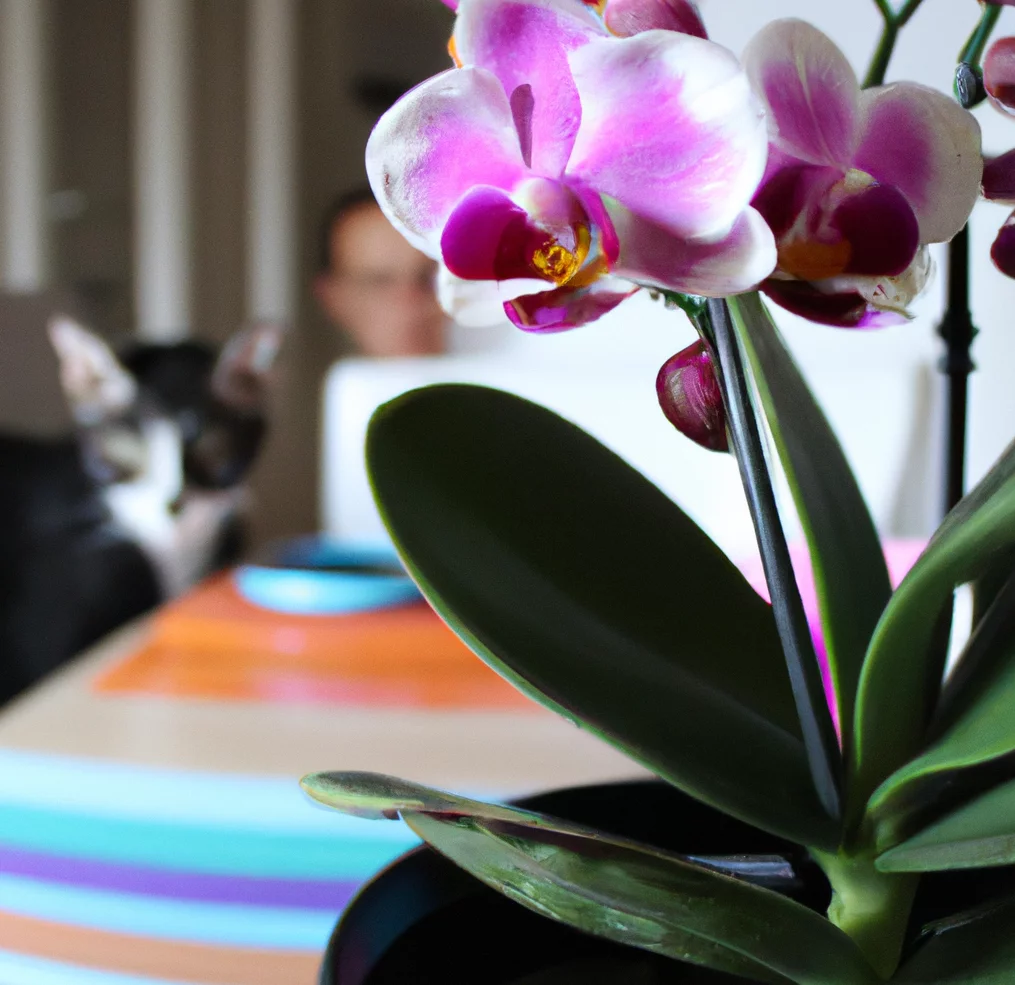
{"x":380,"y":289}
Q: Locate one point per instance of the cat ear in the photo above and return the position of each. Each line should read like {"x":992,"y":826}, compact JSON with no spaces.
{"x":243,"y":371}
{"x":95,"y":384}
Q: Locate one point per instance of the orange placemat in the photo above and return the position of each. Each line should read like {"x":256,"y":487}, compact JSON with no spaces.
{"x":213,"y":643}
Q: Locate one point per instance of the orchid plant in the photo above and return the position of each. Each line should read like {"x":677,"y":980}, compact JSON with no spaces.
{"x":578,"y":152}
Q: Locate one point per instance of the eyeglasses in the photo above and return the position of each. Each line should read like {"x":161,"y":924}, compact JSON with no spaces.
{"x":379,"y":282}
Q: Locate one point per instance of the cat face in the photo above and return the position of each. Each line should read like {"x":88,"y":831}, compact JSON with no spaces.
{"x":155,"y":404}
{"x":169,"y":432}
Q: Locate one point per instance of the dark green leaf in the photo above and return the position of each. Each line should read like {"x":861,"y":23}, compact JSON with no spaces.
{"x":980,"y":833}
{"x":816,"y":725}
{"x":579,"y":581}
{"x":983,"y":734}
{"x":983,"y":658}
{"x":901,"y":682}
{"x":987,"y":588}
{"x":614,"y":888}
{"x":849,"y":567}
{"x":977,"y":950}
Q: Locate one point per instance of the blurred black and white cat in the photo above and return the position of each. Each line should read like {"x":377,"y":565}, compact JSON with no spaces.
{"x":143,"y":500}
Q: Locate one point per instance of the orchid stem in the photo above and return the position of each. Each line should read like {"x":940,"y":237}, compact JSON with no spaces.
{"x":819,"y":736}
{"x":972,"y":52}
{"x":894,"y":22}
{"x":882,"y":56}
{"x":907,"y":11}
{"x":958,"y":331}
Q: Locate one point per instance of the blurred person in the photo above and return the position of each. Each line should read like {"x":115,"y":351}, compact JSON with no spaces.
{"x":373,"y":286}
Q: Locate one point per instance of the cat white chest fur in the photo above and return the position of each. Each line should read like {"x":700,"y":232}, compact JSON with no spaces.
{"x":179,"y":535}
{"x":177,"y":523}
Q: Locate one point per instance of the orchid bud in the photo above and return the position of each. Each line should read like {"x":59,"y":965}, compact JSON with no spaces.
{"x":690,"y":397}
{"x":999,"y":75}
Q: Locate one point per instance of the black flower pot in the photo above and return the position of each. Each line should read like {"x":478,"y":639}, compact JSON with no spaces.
{"x":423,"y":921}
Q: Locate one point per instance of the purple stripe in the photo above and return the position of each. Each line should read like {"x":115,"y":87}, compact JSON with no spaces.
{"x":311,"y":894}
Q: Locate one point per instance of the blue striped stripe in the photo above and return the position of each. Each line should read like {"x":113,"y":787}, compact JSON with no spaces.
{"x":109,"y":789}
{"x":20,"y":969}
{"x":221,"y":924}
{"x":190,"y":848}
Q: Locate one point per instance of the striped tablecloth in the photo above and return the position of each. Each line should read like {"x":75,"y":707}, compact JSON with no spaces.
{"x":152,"y":832}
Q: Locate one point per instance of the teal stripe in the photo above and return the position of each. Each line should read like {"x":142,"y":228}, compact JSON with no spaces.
{"x":221,"y":924}
{"x":195,"y":849}
{"x":20,"y":969}
{"x":91,"y":786}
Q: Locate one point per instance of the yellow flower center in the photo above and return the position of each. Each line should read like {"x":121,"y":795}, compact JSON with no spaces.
{"x":453,"y":52}
{"x":556,"y":262}
{"x":810,"y":260}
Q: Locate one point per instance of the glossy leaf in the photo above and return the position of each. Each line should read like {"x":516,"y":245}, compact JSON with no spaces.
{"x":850,"y":574}
{"x":972,"y":949}
{"x":983,"y":657}
{"x":983,"y":734}
{"x":978,"y":834}
{"x":613,"y":888}
{"x":901,"y":682}
{"x":579,"y":581}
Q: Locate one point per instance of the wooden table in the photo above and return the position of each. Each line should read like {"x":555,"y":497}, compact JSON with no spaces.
{"x":151,"y":824}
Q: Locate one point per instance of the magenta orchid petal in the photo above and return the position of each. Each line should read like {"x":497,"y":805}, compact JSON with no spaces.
{"x":453,"y":4}
{"x":999,"y":178}
{"x":841,"y":310}
{"x":999,"y":75}
{"x":670,"y":128}
{"x":652,"y":255}
{"x":810,"y":91}
{"x":791,"y":191}
{"x":526,"y":43}
{"x":628,"y":17}
{"x":489,"y":237}
{"x":881,"y":230}
{"x":928,"y":147}
{"x":599,"y":217}
{"x":1002,"y":252}
{"x":565,"y":307}
{"x":444,"y":137}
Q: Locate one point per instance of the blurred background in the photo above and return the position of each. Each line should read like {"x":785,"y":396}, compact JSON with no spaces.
{"x":168,"y":162}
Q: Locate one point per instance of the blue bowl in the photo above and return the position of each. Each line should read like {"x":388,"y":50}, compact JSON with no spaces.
{"x":313,"y":576}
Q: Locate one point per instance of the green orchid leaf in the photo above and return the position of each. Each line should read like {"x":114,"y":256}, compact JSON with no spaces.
{"x":983,"y":658}
{"x":901,"y":678}
{"x":978,"y":834}
{"x":976,"y":948}
{"x":981,"y":734}
{"x":987,"y":588}
{"x":582,"y":584}
{"x":850,"y":574}
{"x":614,"y":888}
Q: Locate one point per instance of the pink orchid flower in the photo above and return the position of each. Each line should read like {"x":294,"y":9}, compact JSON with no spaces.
{"x":858,"y":182}
{"x":565,"y":167}
{"x":625,"y":18}
{"x":999,"y":173}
